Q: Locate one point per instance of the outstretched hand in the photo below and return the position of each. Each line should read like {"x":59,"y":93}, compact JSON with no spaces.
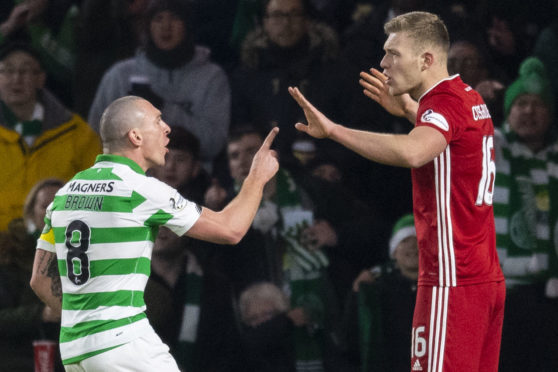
{"x":375,"y":88}
{"x":265,"y":163}
{"x":319,"y":126}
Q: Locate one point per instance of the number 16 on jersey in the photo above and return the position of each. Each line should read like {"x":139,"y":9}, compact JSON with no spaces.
{"x":486,"y":183}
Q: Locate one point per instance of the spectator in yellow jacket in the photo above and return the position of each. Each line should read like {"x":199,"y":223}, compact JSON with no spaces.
{"x":39,"y":137}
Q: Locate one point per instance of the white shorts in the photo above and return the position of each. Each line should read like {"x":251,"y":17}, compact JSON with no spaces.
{"x":146,"y":353}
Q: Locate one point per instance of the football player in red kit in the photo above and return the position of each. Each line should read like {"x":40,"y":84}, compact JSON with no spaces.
{"x":457,"y":323}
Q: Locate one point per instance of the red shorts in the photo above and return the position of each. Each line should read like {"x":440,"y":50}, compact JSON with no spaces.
{"x":458,"y":329}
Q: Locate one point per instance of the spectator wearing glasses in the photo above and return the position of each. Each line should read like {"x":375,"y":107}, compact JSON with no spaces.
{"x":288,"y":48}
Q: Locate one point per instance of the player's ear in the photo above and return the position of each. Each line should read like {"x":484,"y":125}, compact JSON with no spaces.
{"x":135,"y":137}
{"x":427,"y":60}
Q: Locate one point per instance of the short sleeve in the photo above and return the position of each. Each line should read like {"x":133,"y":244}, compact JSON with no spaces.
{"x":441,"y":112}
{"x":46,"y":240}
{"x":166,"y":207}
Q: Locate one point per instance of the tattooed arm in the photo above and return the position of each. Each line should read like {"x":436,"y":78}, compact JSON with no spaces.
{"x":45,"y":280}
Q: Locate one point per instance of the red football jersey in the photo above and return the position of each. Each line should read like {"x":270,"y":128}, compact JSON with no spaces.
{"x":452,"y":195}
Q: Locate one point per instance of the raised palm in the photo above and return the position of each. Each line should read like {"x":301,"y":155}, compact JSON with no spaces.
{"x":319,"y":126}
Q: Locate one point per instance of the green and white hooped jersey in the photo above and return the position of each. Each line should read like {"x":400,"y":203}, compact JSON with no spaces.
{"x":525,"y":209}
{"x":102,"y":225}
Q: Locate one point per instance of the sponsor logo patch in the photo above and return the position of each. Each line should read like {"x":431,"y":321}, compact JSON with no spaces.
{"x":435,"y":118}
{"x":177,"y":202}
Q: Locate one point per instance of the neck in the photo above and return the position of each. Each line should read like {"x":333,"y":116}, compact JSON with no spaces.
{"x":133,"y":154}
{"x":431,"y":77}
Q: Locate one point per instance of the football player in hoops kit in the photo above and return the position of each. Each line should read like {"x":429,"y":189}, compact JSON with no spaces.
{"x":93,"y":257}
{"x":458,"y":316}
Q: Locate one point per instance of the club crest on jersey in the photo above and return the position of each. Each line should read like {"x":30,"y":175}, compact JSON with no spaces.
{"x":177,"y":202}
{"x":438,"y":120}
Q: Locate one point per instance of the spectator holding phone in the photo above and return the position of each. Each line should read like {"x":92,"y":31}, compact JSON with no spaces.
{"x":176,"y":76}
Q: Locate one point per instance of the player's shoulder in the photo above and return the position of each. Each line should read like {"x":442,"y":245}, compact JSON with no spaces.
{"x":452,"y":95}
{"x":447,"y":90}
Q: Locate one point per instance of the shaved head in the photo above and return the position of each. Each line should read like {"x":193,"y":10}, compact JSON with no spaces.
{"x":118,"y":118}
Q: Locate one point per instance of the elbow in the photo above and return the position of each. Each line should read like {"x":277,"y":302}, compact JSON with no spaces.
{"x":233,"y":237}
{"x":34,"y":283}
{"x":413,"y":161}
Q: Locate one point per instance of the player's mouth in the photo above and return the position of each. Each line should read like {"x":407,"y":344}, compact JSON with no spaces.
{"x":388,"y":80}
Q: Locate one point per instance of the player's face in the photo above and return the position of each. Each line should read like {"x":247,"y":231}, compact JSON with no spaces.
{"x":530,"y":118}
{"x":154,"y":135}
{"x":167,"y":30}
{"x":20,"y":79}
{"x":406,"y":254}
{"x":401,"y":64}
{"x":240,"y":154}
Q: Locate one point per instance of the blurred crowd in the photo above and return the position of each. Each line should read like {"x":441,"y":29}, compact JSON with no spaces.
{"x":325,"y":279}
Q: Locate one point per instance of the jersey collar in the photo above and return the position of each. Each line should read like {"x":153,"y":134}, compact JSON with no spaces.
{"x":435,"y":85}
{"x":120,"y":160}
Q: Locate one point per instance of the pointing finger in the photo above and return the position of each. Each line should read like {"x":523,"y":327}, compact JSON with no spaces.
{"x":270,"y":137}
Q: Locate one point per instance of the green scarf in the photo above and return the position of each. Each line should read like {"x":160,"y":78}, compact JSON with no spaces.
{"x":526,"y":210}
{"x":25,"y":128}
{"x":304,"y":272}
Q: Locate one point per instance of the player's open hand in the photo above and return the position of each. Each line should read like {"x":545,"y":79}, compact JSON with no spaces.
{"x":265,"y":163}
{"x":375,"y":88}
{"x":319,"y":126}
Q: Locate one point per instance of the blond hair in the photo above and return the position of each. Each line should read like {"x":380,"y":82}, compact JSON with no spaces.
{"x":425,"y":29}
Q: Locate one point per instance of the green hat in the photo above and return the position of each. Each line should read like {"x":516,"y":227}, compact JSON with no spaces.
{"x":532,"y":79}
{"x":403,"y":228}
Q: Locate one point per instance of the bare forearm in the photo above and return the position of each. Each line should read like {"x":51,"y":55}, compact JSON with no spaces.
{"x":411,"y":150}
{"x":241,"y":210}
{"x":229,"y":225}
{"x":390,"y":149}
{"x":46,"y":279}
